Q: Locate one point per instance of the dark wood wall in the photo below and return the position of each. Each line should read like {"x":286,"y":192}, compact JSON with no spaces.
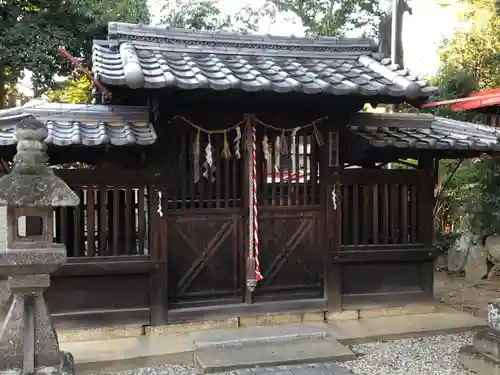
{"x":110,"y":240}
{"x":386,"y":252}
{"x":188,"y":264}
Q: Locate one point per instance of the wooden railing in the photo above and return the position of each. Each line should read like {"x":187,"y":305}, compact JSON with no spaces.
{"x":193,"y":184}
{"x":284,"y":179}
{"x":290,"y":179}
{"x":384,"y":207}
{"x":113,"y":217}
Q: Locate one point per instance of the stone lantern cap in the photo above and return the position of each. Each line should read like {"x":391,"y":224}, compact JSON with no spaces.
{"x":31,"y":183}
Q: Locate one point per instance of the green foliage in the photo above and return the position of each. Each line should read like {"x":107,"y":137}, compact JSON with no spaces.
{"x":103,"y":11}
{"x":76,"y":91}
{"x":206,"y":15}
{"x":468,"y":194}
{"x":471,"y":197}
{"x":336,"y":17}
{"x":474,"y":51}
{"x":452,"y":85}
{"x":320,"y":17}
{"x":32,"y":30}
{"x":486,"y":206}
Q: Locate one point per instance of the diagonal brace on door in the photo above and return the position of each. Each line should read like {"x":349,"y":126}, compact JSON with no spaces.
{"x":297,"y":237}
{"x":204,"y":255}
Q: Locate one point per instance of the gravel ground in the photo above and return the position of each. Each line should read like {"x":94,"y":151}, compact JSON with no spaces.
{"x":435,"y":355}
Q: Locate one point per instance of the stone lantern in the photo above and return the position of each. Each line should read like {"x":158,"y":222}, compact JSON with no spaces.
{"x":28,"y":341}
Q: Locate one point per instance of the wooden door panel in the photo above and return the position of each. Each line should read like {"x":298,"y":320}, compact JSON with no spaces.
{"x":203,"y":258}
{"x":289,"y":256}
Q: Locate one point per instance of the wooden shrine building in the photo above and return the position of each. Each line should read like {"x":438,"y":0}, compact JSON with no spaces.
{"x":208,"y":136}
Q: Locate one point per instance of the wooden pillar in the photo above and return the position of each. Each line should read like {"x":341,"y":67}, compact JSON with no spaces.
{"x":158,"y":226}
{"x":426,"y":218}
{"x":329,"y":183}
{"x":158,"y":253}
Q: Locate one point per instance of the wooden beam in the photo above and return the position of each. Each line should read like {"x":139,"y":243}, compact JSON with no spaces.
{"x":332,"y":226}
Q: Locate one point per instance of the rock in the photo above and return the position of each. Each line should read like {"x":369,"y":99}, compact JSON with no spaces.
{"x":476,"y":265}
{"x":492,"y":245}
{"x":441,"y":262}
{"x":67,"y":364}
{"x":492,"y":249}
{"x":457,"y":255}
{"x":494,"y":314}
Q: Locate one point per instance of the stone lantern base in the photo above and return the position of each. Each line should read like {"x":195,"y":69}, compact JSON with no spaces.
{"x":483,"y":356}
{"x":28,"y":342}
{"x":67,"y":367}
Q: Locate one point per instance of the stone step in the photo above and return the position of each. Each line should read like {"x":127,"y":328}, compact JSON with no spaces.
{"x":220,"y":359}
{"x":257,"y":335}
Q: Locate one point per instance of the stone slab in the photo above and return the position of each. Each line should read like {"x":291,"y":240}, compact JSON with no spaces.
{"x":272,"y":319}
{"x":327,"y":368}
{"x":103,"y":356}
{"x":400,"y":327}
{"x":96,"y":334}
{"x":119,"y":354}
{"x":342,"y":315}
{"x":193,"y":326}
{"x":273,"y":354}
{"x":478,"y":363}
{"x":411,"y":309}
{"x":258,"y":335}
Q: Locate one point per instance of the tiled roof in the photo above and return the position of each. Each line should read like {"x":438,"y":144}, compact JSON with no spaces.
{"x":424,"y":131}
{"x":142,"y":56}
{"x":88,"y":125}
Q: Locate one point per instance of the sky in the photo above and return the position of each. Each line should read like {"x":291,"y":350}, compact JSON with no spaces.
{"x":423,"y":31}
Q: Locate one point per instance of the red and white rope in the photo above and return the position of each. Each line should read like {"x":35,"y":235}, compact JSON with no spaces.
{"x":250,"y":206}
{"x":254,"y":215}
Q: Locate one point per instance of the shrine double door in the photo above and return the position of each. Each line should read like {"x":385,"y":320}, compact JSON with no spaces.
{"x":207,"y":220}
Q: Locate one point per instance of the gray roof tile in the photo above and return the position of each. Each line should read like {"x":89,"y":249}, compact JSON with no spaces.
{"x":88,"y":125}
{"x":143,"y":56}
{"x":424,"y":132}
